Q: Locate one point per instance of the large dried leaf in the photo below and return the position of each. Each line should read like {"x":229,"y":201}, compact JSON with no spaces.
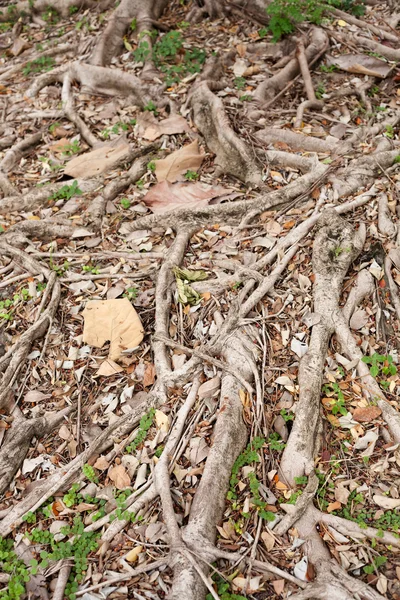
{"x":167,"y":196}
{"x":170,"y":126}
{"x":179,"y":162}
{"x":120,"y":477}
{"x":362,"y":64}
{"x":113,"y":320}
{"x":98,"y":161}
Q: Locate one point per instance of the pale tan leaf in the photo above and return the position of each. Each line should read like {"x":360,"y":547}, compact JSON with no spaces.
{"x":162,"y":421}
{"x":101,"y":463}
{"x":114,"y":320}
{"x":362,"y":64}
{"x":365,"y":414}
{"x":172,"y":125}
{"x":98,"y":161}
{"x":120,"y":477}
{"x":108,"y":367}
{"x":133,"y":554}
{"x":179,"y":162}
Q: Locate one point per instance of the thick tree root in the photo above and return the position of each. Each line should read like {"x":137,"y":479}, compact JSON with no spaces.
{"x":232,"y":154}
{"x":336,"y":246}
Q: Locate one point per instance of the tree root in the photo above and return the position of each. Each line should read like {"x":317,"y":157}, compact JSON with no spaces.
{"x":336,"y":246}
{"x":268,"y":89}
{"x":232,"y":154}
{"x":110,"y":41}
{"x":18,"y":440}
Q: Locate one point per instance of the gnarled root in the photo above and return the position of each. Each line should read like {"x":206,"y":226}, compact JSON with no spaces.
{"x":335,"y":247}
{"x":232,"y":154}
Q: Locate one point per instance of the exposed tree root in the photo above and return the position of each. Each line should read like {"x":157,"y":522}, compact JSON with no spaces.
{"x":110,"y":41}
{"x":18,"y":440}
{"x":336,"y":246}
{"x":269,"y":88}
{"x":232,"y":154}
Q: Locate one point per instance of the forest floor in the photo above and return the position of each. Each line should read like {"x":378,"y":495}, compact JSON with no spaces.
{"x":199,"y":301}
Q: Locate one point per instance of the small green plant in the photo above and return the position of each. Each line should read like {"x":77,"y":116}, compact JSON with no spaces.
{"x":320,"y":91}
{"x":91,"y":269}
{"x":263,"y":32}
{"x":339,"y":250}
{"x":191,"y":176}
{"x":222,"y":586}
{"x":240,"y":83}
{"x":144,"y":425}
{"x":328,"y":68}
{"x":389,"y":131}
{"x":8,"y":305}
{"x":90,"y":473}
{"x":247,"y":457}
{"x":71,"y":497}
{"x":378,"y":561}
{"x":275,"y":442}
{"x":125,"y":203}
{"x":131,"y":293}
{"x":67,"y":192}
{"x":15,"y":568}
{"x":382,"y":366}
{"x":73,"y":10}
{"x":72,"y":148}
{"x":286,"y":14}
{"x":39,"y":65}
{"x":50,"y":15}
{"x":257,"y":501}
{"x":246,"y":98}
{"x":151,"y":166}
{"x":150,"y":107}
{"x":286,"y":416}
{"x":140,"y":184}
{"x":338,"y":405}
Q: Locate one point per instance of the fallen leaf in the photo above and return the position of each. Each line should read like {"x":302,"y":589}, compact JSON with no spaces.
{"x":98,"y":161}
{"x":333,"y":506}
{"x":358,"y":319}
{"x":365,"y":414}
{"x":133,"y":554}
{"x":114,"y":320}
{"x":278,"y":585}
{"x":101,"y":463}
{"x":298,"y":347}
{"x":361,"y":63}
{"x":172,"y":125}
{"x":35,"y":396}
{"x":120,"y":477}
{"x":179,"y":162}
{"x":166,"y":196}
{"x":149,"y":375}
{"x":109,"y":367}
{"x":59,"y":146}
{"x":19,"y":46}
{"x":268,"y":539}
{"x":162,"y":421}
{"x":386,"y":502}
{"x":209,"y":388}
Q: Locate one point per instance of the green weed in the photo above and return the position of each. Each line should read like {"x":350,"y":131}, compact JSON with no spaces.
{"x":39,"y":65}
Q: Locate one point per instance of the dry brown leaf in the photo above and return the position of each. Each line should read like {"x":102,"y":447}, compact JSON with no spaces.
{"x":268,"y":539}
{"x":386,"y":502}
{"x":98,"y":161}
{"x":59,"y":146}
{"x":179,"y":162}
{"x":133,"y":554}
{"x":361,"y":63}
{"x":109,"y":367}
{"x":120,"y":477}
{"x":35,"y":396}
{"x":19,"y":46}
{"x":101,"y":463}
{"x":114,"y":320}
{"x":365,"y":414}
{"x":278,"y":585}
{"x":162,"y":421}
{"x":167,"y":196}
{"x":149,"y":375}
{"x":170,"y":126}
{"x":208,"y":388}
{"x":333,"y":506}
